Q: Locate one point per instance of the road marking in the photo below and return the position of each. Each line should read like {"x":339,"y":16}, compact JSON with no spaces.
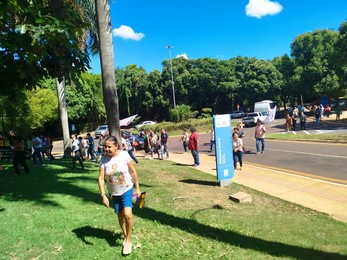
{"x":324,"y":131}
{"x":319,"y":154}
{"x":301,"y":174}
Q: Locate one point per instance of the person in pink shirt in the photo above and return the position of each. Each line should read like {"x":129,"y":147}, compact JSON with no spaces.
{"x":259,"y":135}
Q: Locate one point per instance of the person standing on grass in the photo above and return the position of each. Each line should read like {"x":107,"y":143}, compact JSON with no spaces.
{"x":193,"y":146}
{"x":91,"y":145}
{"x":184,"y":139}
{"x":37,"y":149}
{"x":19,"y":155}
{"x":76,"y":150}
{"x":117,"y":168}
{"x":259,"y":135}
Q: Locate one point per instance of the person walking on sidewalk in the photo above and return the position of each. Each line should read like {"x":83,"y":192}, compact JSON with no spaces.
{"x":237,"y":150}
{"x":212,"y":141}
{"x":303,"y":121}
{"x":128,"y":147}
{"x":193,"y":146}
{"x":184,"y":139}
{"x":164,"y":138}
{"x":259,"y":135}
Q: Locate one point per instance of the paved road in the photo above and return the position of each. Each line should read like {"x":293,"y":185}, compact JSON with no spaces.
{"x":319,"y":160}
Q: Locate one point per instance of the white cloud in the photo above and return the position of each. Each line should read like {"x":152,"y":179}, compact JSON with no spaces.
{"x":184,"y":56}
{"x":260,"y":8}
{"x":127,"y":33}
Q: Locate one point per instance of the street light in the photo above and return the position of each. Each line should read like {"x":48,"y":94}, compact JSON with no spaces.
{"x":172,"y":80}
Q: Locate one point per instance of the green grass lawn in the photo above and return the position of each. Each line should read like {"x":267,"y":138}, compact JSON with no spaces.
{"x":53,"y":213}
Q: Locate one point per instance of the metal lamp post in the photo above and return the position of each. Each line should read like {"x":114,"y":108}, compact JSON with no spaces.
{"x":172,"y":80}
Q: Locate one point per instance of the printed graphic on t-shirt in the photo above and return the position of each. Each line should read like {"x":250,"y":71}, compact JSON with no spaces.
{"x":117,"y":182}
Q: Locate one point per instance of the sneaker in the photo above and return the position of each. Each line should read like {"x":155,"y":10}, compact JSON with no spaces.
{"x":151,"y":158}
{"x":262,"y":151}
{"x":196,"y":165}
{"x":127,"y":248}
{"x":43,"y":165}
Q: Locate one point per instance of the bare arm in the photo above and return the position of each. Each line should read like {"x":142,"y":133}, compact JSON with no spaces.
{"x":133,"y":173}
{"x":101,"y":182}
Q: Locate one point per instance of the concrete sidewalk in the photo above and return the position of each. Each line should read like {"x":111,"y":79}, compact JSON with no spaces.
{"x":319,"y":195}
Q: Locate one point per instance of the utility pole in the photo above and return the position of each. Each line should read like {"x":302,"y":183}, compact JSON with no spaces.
{"x":169,"y":47}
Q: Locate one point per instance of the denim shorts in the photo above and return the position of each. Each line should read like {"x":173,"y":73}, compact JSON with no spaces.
{"x":123,"y":201}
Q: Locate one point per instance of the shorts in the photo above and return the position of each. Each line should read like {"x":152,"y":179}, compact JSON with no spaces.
{"x":123,"y":201}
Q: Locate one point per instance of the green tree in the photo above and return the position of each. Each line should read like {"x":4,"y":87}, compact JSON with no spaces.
{"x":289,"y":90}
{"x":339,"y":61}
{"x":42,"y":39}
{"x":313,"y":54}
{"x":261,"y":81}
{"x":42,"y":105}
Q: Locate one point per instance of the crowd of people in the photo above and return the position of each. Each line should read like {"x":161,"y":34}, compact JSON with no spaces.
{"x":38,"y":147}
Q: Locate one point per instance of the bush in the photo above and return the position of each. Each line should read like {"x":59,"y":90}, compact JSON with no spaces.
{"x":181,"y":113}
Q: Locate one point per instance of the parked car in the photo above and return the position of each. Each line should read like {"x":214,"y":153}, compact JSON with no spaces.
{"x":237,"y":114}
{"x":138,"y":141}
{"x":342,"y":103}
{"x":251,"y":119}
{"x":145,"y":123}
{"x":101,"y":131}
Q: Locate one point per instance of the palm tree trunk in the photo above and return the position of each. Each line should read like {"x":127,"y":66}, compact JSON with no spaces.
{"x":107,"y":66}
{"x":61,"y":92}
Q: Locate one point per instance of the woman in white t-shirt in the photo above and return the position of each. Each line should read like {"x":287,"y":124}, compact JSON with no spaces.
{"x":237,"y":150}
{"x":116,"y":167}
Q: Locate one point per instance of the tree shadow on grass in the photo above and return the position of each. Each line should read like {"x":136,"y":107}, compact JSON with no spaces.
{"x":199,"y":182}
{"x":182,"y":164}
{"x":277,"y":249}
{"x":84,"y":232}
{"x":42,"y":182}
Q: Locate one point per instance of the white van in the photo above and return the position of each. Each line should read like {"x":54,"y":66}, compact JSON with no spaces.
{"x":265,"y":106}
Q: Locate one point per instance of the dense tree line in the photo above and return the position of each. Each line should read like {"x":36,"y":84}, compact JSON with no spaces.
{"x":317,"y":66}
{"x":40,"y":45}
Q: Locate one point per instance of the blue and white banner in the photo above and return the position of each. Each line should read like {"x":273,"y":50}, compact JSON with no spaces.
{"x":224,"y":151}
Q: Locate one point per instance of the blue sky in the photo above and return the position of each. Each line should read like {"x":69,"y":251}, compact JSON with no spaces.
{"x":220,"y":29}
